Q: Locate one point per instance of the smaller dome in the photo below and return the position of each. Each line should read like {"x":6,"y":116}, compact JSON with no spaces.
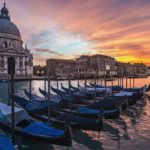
{"x":8,"y":27}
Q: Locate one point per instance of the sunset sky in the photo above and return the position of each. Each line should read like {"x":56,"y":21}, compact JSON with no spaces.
{"x":69,"y":28}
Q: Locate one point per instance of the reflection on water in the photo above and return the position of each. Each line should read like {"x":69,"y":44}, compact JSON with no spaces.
{"x":130,"y":131}
{"x":89,"y":138}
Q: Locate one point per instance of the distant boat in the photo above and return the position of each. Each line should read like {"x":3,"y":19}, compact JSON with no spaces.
{"x":110,"y":79}
{"x":138,"y":76}
{"x":4,"y":80}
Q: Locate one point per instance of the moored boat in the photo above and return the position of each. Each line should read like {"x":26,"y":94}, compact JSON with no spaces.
{"x":27,"y":129}
{"x":61,"y":118}
{"x":6,"y":144}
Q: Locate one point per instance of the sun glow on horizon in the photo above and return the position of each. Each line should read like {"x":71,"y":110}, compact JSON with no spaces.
{"x":67,"y":29}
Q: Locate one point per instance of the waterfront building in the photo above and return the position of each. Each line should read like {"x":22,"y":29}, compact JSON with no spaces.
{"x":140,"y":69}
{"x":124,"y":69}
{"x":99,"y":65}
{"x":83,"y":67}
{"x":60,"y":68}
{"x":11,"y":46}
{"x":148,"y":70}
{"x":104,"y":65}
{"x":39,"y":70}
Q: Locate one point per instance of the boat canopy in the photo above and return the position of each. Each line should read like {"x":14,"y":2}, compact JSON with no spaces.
{"x":5,"y":143}
{"x":124,"y":93}
{"x":5,"y":113}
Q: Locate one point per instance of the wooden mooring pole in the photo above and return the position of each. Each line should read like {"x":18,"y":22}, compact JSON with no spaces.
{"x":45,"y":85}
{"x":49,"y":88}
{"x":11,"y":72}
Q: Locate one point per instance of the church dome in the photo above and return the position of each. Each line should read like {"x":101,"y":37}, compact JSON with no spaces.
{"x":6,"y":26}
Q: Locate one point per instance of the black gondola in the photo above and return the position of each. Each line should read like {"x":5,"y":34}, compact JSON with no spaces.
{"x":61,"y":118}
{"x":30,"y":130}
{"x":5,"y":143}
{"x":57,"y":91}
{"x":84,"y":111}
{"x":67,"y":89}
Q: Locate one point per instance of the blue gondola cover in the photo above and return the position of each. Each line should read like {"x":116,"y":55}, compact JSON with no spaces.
{"x":5,"y":143}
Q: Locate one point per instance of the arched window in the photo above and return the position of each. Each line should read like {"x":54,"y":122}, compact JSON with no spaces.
{"x":20,"y":62}
{"x":5,"y":44}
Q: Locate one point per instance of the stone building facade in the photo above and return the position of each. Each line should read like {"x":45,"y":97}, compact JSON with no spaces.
{"x":99,"y":65}
{"x":84,"y":66}
{"x":60,"y":68}
{"x":11,"y":45}
{"x":124,"y":69}
{"x":103,"y":64}
{"x":128,"y":69}
{"x":96,"y":65}
{"x":140,"y":68}
{"x":39,"y":70}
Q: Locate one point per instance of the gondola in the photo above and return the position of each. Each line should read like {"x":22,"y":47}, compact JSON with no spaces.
{"x":89,"y":86}
{"x":114,"y":88}
{"x":110,"y":79}
{"x":97,"y":89}
{"x":81,"y":111}
{"x":39,"y":106}
{"x":56,"y":101}
{"x":33,"y":96}
{"x":45,"y":93}
{"x":84,"y":111}
{"x":110,"y":112}
{"x":5,"y":143}
{"x":131,"y":97}
{"x":67,"y":89}
{"x":61,"y":118}
{"x":33,"y":106}
{"x":57,"y":91}
{"x":90,"y":92}
{"x":74,"y":88}
{"x":138,"y":91}
{"x":75,"y":122}
{"x":54,"y":98}
{"x":77,"y":97}
{"x":30,"y":130}
{"x":108,"y":102}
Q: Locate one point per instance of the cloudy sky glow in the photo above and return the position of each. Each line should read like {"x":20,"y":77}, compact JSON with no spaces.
{"x":69,"y":28}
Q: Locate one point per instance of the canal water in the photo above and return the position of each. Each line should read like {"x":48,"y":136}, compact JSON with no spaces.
{"x":131,"y":131}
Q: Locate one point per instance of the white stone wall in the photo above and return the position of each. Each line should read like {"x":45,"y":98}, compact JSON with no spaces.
{"x":12,"y":47}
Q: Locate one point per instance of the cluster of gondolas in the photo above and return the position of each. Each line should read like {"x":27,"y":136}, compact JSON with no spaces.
{"x":82,"y":107}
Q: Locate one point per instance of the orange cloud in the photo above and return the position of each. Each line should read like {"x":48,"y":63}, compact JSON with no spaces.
{"x":117,"y":28}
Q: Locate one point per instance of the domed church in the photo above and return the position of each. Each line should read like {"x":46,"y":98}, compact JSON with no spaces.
{"x":11,"y":45}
